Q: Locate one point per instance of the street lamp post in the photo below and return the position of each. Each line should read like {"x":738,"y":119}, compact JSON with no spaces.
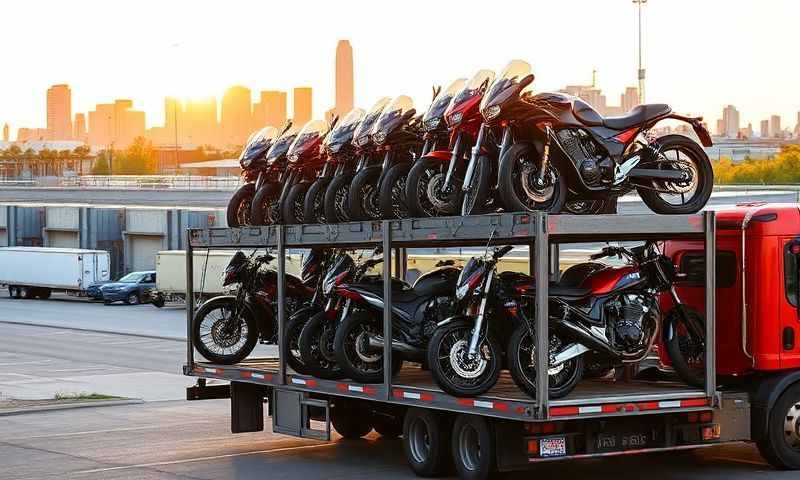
{"x":640,"y":73}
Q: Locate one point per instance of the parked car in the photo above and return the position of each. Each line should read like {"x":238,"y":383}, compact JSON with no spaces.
{"x":131,"y":289}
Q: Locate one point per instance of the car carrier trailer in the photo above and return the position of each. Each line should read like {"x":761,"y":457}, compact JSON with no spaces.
{"x":504,"y":429}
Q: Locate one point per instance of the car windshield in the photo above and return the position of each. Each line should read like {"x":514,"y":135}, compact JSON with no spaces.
{"x":134,"y":277}
{"x":365,"y":127}
{"x":258,"y":143}
{"x":308,"y":136}
{"x":442,"y":100}
{"x":393,"y":114}
{"x":482,"y":78}
{"x":509,"y":77}
{"x":342,"y":133}
{"x":281,"y":145}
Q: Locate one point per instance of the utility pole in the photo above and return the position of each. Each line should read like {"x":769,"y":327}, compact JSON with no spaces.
{"x":175,"y":114}
{"x":110,"y":149}
{"x":639,"y":4}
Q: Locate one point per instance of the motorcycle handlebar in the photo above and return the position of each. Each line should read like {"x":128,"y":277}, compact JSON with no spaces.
{"x":502,"y":251}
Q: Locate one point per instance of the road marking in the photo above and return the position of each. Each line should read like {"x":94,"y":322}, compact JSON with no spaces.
{"x":93,"y":432}
{"x":203,"y":459}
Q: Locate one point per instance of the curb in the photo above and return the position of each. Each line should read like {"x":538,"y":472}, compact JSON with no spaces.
{"x":95,"y":330}
{"x":69,"y":406}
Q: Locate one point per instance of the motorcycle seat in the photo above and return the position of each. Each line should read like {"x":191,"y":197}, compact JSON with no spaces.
{"x":637,"y":115}
{"x":401,"y":291}
{"x":556,"y":290}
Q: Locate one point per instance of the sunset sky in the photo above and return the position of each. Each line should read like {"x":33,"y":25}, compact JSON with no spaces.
{"x":700,"y":55}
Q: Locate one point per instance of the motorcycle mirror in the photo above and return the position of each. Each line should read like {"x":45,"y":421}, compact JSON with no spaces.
{"x":526,"y":80}
{"x":437,"y":89}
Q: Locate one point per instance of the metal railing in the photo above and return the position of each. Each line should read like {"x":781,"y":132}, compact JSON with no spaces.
{"x":151,"y":182}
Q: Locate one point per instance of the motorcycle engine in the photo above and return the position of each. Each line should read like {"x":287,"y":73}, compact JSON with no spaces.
{"x":625,"y":317}
{"x":593,"y":165}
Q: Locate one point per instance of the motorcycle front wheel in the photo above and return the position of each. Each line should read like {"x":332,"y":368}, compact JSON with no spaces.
{"x":313,"y":209}
{"x":522,"y":188}
{"x":392,"y":198}
{"x":476,"y":198}
{"x":222,"y":334}
{"x":452,"y":367}
{"x":291,"y":345}
{"x":337,"y":208}
{"x":424,"y":194}
{"x":238,"y":212}
{"x":265,"y":209}
{"x":293,"y":207}
{"x":362,"y":198}
{"x":521,"y":352}
{"x":686,"y":351}
{"x":315,"y":344}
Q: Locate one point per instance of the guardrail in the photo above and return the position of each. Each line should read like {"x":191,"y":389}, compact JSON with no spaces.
{"x":150,"y":182}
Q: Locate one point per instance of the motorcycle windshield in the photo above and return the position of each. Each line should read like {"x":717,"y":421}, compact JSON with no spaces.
{"x":442,"y":100}
{"x":309,"y":137}
{"x":509,"y":78}
{"x":392,"y":115}
{"x":342,"y":133}
{"x":364,"y":129}
{"x":281,"y":145}
{"x":258,"y":144}
{"x":474,"y":86}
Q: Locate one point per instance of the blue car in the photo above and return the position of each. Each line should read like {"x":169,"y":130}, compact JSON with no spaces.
{"x":132,"y":289}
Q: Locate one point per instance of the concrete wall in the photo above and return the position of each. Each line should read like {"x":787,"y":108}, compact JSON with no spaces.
{"x":63,"y":226}
{"x":3,"y":226}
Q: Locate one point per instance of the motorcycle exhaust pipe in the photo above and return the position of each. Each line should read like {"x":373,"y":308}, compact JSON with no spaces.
{"x":375,"y":344}
{"x":588,"y":337}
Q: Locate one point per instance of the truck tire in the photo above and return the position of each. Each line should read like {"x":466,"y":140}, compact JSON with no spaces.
{"x":474,"y":448}
{"x":426,"y":442}
{"x":13,"y":292}
{"x":389,"y":425}
{"x":43,"y":293}
{"x":347,"y":417}
{"x":158,"y":301}
{"x":780,"y":444}
{"x":26,"y":292}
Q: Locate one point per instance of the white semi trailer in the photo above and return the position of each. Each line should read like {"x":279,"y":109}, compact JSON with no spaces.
{"x":36,"y":272}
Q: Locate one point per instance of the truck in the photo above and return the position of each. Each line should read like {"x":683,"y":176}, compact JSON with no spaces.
{"x":37,"y":272}
{"x":750,"y":360}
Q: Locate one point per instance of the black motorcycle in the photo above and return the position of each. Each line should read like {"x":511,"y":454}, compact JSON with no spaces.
{"x":254,"y":171}
{"x":416,"y":310}
{"x":265,"y":209}
{"x":226,"y":328}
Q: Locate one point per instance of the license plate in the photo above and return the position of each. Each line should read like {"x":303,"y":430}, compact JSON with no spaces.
{"x":553,"y":447}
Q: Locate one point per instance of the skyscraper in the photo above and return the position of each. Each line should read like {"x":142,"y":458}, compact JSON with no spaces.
{"x":764,"y":128}
{"x":200,"y":122}
{"x":775,"y":126}
{"x":301,"y":105}
{"x":730,"y":119}
{"x":344,"y":78}
{"x":59,"y":112}
{"x":237,"y":117}
{"x":5,"y":132}
{"x":270,"y":111}
{"x":629,"y":99}
{"x":115,"y":123}
{"x":80,"y":127}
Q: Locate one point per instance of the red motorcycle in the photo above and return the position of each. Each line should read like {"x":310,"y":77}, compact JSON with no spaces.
{"x":434,"y":185}
{"x":304,"y":163}
{"x":265,"y":209}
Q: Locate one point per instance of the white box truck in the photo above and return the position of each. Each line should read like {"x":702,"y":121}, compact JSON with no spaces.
{"x":36,"y":272}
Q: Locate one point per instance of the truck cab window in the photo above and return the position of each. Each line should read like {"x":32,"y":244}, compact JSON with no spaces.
{"x":693,"y":264}
{"x":790,"y":274}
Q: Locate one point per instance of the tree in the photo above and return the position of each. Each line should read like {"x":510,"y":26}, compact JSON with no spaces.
{"x":100,"y":166}
{"x":138,"y":159}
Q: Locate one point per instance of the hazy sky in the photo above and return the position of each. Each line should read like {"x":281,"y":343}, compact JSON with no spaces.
{"x":700,"y":54}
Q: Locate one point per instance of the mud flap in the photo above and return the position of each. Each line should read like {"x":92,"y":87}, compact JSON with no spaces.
{"x":247,"y":407}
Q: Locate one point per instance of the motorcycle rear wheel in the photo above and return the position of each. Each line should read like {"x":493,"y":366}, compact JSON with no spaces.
{"x":518,"y":177}
{"x":522,"y":365}
{"x":358,"y":363}
{"x":453,"y":371}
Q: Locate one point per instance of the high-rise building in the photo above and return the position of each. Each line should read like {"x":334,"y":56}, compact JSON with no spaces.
{"x":720,"y":127}
{"x":59,"y":112}
{"x":797,"y":126}
{"x":237,"y":117}
{"x":764,"y":128}
{"x":32,"y":134}
{"x":270,"y":111}
{"x":5,"y":132}
{"x":200,"y":120}
{"x":344,"y":78}
{"x":775,"y":126}
{"x":730,"y":118}
{"x":590,"y":94}
{"x":115,"y":123}
{"x":629,"y":99}
{"x":301,"y":105}
{"x":80,"y":128}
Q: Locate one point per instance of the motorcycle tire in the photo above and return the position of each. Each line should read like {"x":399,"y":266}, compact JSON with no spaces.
{"x":336,"y":204}
{"x":291,"y":345}
{"x":681,"y":345}
{"x":314,"y":362}
{"x":392,"y":191}
{"x":313,"y":210}
{"x":514,"y":189}
{"x":293,"y":207}
{"x":265,"y":209}
{"x":702,"y":168}
{"x":363,"y":195}
{"x":238,"y":212}
{"x":246,"y":316}
{"x":423,"y":190}
{"x":521,"y":365}
{"x":440,"y":360}
{"x":476,"y":198}
{"x":356,"y":363}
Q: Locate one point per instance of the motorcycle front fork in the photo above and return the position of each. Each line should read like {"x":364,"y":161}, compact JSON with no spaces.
{"x":447,"y":187}
{"x":473,"y":158}
{"x":479,"y":320}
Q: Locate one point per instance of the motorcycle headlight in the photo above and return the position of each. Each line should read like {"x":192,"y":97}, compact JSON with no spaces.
{"x":433,"y":123}
{"x":492,"y":112}
{"x":293,"y":158}
{"x":379,"y":137}
{"x":362,"y":140}
{"x":462,"y":291}
{"x":455,"y":118}
{"x":246,"y":162}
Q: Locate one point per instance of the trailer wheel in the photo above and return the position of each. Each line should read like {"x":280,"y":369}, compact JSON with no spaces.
{"x":426,"y":441}
{"x":26,"y":292}
{"x":388,"y":425}
{"x":43,"y":293}
{"x":474,"y":448}
{"x":13,"y":292}
{"x":158,"y":301}
{"x":780,"y":445}
{"x":348,"y":418}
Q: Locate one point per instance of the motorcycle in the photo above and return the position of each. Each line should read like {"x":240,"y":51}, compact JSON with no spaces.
{"x":316,"y":337}
{"x":556,"y":147}
{"x":361,"y":204}
{"x":416,"y":310}
{"x":304,"y":163}
{"x":339,"y":154}
{"x":435,"y":181}
{"x":254,"y":170}
{"x":266,"y":207}
{"x":226,"y":328}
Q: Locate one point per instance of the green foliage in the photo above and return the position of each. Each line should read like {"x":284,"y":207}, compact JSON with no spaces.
{"x":100,"y":166}
{"x":783,"y":169}
{"x":138,"y":159}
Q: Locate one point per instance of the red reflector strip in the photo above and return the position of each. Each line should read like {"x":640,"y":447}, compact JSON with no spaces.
{"x":303,"y":381}
{"x":695,"y":402}
{"x":468,"y":402}
{"x":627,"y":407}
{"x":214,"y":371}
{"x":431,"y":236}
{"x":425,"y":397}
{"x":366,"y":389}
